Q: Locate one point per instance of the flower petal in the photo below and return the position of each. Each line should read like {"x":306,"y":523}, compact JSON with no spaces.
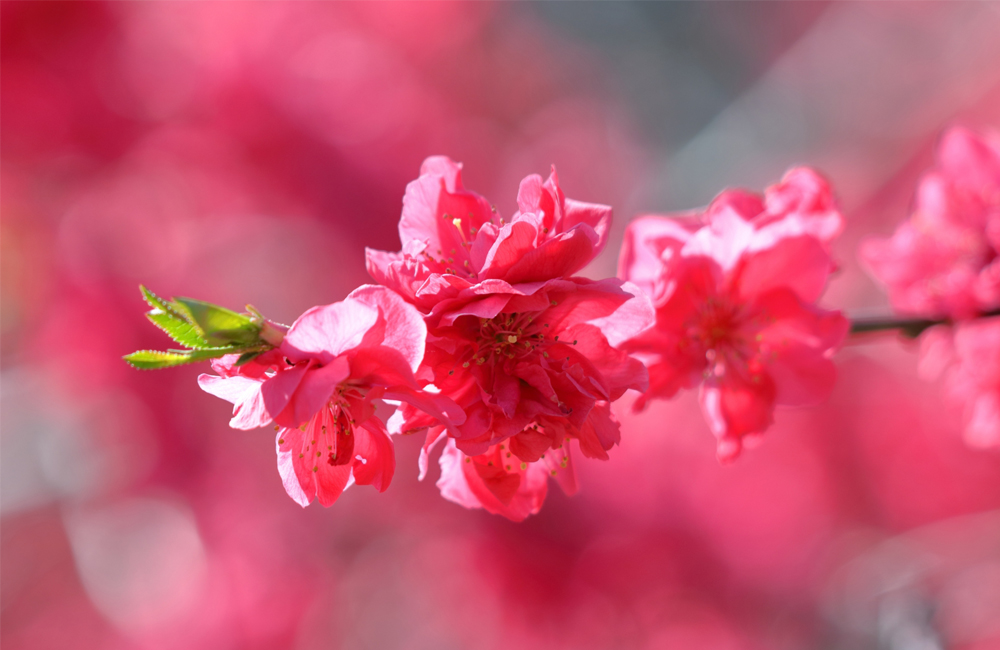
{"x":798,"y":263}
{"x":375,"y":447}
{"x":244,"y":393}
{"x":404,"y":326}
{"x":326,"y":332}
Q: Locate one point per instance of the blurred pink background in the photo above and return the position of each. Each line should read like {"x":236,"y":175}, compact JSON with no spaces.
{"x":249,"y":152}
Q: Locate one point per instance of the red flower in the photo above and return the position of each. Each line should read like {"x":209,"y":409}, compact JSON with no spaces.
{"x":524,"y":348}
{"x":734,"y":291}
{"x":321,"y":388}
{"x":945,"y":260}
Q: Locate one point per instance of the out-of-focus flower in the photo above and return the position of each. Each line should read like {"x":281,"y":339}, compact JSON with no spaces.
{"x":967,"y":358}
{"x":734,"y":290}
{"x":802,"y":203}
{"x":320,"y":388}
{"x":523,"y":347}
{"x":945,"y":259}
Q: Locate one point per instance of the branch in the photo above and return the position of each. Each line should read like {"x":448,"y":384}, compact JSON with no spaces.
{"x":910,"y":327}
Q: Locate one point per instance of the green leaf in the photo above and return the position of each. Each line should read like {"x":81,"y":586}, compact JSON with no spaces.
{"x":180,"y":331}
{"x":155,"y":359}
{"x":173,"y":321}
{"x":218,"y":325}
{"x":167,"y":306}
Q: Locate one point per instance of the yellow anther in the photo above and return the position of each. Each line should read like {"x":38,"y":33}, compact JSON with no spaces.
{"x":511,"y":338}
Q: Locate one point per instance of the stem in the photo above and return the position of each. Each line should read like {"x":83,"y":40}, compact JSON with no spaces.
{"x":911,"y":327}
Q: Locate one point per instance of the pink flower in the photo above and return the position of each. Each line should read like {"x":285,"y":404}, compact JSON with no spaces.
{"x":321,"y":389}
{"x":523,"y":347}
{"x":454,"y":239}
{"x":967,"y":356}
{"x":945,"y":260}
{"x":533,"y":368}
{"x":734,"y":291}
{"x":974,"y":381}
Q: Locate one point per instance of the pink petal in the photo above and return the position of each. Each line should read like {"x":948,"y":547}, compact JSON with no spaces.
{"x":736,"y":407}
{"x":278,"y":391}
{"x":331,"y":481}
{"x":671,"y":373}
{"x":375,"y":447}
{"x":315,"y":391}
{"x":395,"y":271}
{"x":724,"y":239}
{"x":529,"y":445}
{"x":453,"y":484}
{"x":380,"y":366}
{"x":589,"y":216}
{"x":805,"y":197}
{"x":964,"y":154}
{"x":506,"y":393}
{"x":534,"y":197}
{"x":982,"y":426}
{"x":630,"y":319}
{"x":797,"y":345}
{"x":328,"y":331}
{"x":431,"y":441}
{"x":646,"y":238}
{"x":515,"y":240}
{"x":286,"y":466}
{"x":404,"y":326}
{"x":742,"y":202}
{"x":486,"y":307}
{"x":244,"y":393}
{"x":559,"y":463}
{"x":600,"y":433}
{"x":440,"y":407}
{"x":798,"y":263}
{"x":588,"y":301}
{"x":558,"y":257}
{"x":613,"y":369}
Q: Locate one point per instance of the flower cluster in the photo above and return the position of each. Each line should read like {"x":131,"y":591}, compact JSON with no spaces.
{"x":483,"y":334}
{"x":735,"y":289}
{"x":944,"y":261}
{"x":482,"y":337}
{"x":523,"y":346}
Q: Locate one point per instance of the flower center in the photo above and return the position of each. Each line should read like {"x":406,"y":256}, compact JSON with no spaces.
{"x":717,"y":325}
{"x":328,"y":436}
{"x":507,"y":336}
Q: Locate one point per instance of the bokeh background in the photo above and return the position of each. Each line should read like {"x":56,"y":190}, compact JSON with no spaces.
{"x":249,"y":152}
